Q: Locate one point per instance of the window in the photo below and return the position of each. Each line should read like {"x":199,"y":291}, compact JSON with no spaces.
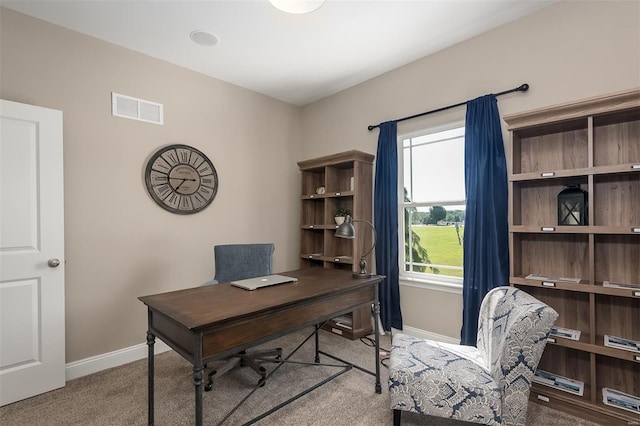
{"x":432,"y":211}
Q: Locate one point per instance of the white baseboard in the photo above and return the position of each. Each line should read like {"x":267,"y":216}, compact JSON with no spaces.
{"x":422,"y":334}
{"x":94,"y":364}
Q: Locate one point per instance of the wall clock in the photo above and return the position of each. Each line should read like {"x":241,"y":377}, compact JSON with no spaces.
{"x":181,"y":179}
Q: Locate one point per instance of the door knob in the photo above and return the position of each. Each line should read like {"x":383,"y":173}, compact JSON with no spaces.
{"x":53,"y":263}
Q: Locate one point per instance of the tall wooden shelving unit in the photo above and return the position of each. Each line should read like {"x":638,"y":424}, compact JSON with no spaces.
{"x":347,"y":179}
{"x":594,"y":143}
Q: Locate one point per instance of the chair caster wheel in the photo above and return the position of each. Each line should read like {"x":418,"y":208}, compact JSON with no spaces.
{"x":278,"y":358}
{"x":261,"y":382}
{"x":208,"y":387}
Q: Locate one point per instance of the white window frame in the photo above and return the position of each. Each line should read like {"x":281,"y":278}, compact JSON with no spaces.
{"x":414,"y":279}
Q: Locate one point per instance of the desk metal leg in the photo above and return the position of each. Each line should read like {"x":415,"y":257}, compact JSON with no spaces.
{"x":317,"y":344}
{"x":151,"y":340}
{"x":376,"y":329}
{"x":198,"y":375}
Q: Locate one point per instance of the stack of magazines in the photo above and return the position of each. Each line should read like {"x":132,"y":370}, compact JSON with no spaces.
{"x":555,"y":381}
{"x":567,"y":333}
{"x":621,"y":285}
{"x":622,"y":400}
{"x":622,"y":343}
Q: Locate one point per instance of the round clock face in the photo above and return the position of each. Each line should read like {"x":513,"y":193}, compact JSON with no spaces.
{"x":181,"y":179}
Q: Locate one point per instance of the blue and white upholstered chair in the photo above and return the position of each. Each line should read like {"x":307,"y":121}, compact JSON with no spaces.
{"x":488,"y":384}
{"x":238,"y":262}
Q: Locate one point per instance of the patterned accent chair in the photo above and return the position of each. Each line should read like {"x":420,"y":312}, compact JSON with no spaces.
{"x":489,"y":384}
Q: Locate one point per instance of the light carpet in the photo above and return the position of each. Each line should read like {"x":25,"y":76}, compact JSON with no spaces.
{"x":118,"y":396}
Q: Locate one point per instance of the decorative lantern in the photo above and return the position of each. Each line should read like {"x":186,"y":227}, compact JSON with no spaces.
{"x":572,"y":206}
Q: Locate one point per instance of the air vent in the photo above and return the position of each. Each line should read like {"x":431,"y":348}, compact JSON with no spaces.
{"x":136,"y":109}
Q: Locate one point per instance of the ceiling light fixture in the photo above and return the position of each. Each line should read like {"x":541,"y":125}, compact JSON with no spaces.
{"x":204,"y":38}
{"x":297,"y":6}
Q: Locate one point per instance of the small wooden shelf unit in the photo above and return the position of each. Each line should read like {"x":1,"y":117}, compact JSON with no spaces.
{"x":347,"y":180}
{"x":594,"y":143}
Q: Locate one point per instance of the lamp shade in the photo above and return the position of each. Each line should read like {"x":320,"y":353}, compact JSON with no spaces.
{"x":346,"y":229}
{"x":297,"y":6}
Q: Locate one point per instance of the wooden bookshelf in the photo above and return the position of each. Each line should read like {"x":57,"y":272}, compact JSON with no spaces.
{"x":347,"y":181}
{"x":594,"y":143}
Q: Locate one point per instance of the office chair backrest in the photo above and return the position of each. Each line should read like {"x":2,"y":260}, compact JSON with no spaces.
{"x":241,"y":261}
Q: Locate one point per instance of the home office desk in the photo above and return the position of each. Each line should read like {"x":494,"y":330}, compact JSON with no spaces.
{"x":211,"y":322}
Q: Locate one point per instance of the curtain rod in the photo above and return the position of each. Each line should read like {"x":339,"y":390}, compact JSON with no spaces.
{"x":522,"y":88}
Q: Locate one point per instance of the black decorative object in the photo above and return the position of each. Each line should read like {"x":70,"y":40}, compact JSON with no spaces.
{"x":572,"y":206}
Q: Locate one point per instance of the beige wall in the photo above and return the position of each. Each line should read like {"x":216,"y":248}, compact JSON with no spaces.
{"x":119,"y":244}
{"x":569,"y":51}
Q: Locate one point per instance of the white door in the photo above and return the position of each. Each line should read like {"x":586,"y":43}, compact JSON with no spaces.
{"x":32,"y":331}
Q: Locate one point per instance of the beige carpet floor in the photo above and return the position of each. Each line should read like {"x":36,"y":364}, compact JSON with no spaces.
{"x":118,"y":396}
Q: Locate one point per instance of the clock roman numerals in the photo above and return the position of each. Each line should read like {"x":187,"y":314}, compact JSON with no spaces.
{"x":159,"y":178}
{"x":162,"y":190}
{"x":183,"y":155}
{"x":181,"y":179}
{"x":161,"y":165}
{"x":204,"y":169}
{"x":171,"y":157}
{"x":205,"y":192}
{"x":197,"y":200}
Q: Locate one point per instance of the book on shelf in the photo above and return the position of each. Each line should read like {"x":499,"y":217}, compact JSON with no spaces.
{"x":622,"y":343}
{"x":618,"y":399}
{"x":567,"y":333}
{"x":344,"y":321}
{"x":555,"y":381}
{"x":539,"y":277}
{"x":621,"y":285}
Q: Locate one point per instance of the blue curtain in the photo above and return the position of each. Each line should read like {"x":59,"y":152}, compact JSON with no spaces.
{"x":385,"y":208}
{"x":486,"y":230}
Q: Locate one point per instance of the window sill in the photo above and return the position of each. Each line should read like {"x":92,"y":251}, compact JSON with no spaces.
{"x":430,"y":284}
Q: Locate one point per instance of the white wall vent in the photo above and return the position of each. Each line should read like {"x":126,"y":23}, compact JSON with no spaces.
{"x":136,"y":109}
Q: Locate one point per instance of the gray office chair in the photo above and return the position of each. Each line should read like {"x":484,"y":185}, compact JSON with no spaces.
{"x":238,"y":262}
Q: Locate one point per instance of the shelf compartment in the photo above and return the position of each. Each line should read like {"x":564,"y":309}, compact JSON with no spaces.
{"x":338,"y":247}
{"x":312,"y":243}
{"x":573,"y":310}
{"x":617,"y":316}
{"x":551,"y":254}
{"x":535,"y":202}
{"x":312,"y":180}
{"x":556,"y":146}
{"x":312,"y":212}
{"x":615,"y":138}
{"x":616,"y":200}
{"x":333,"y":203}
{"x":617,"y":374}
{"x":617,"y":258}
{"x":567,"y":362}
{"x":339,"y":177}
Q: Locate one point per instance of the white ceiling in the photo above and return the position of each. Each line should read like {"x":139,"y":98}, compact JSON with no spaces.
{"x":295,"y":58}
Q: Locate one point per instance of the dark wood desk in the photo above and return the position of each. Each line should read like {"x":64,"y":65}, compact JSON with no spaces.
{"x":207,"y":323}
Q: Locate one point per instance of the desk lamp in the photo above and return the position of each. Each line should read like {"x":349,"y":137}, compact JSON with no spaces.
{"x":346,"y":230}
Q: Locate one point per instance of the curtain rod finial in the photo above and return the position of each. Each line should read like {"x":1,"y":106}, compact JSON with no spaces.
{"x":371,"y":127}
{"x":524,"y":87}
